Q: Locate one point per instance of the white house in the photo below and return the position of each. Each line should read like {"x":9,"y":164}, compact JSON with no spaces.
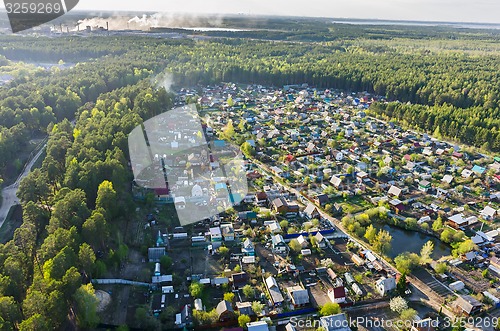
{"x":215,"y":234}
{"x":489,"y":213}
{"x":336,"y":181}
{"x":385,"y":285}
{"x":197,"y":191}
{"x":395,"y":191}
{"x":302,"y":241}
{"x":337,"y":295}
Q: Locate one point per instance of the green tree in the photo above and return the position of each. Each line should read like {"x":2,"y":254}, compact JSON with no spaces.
{"x":426,"y":252}
{"x":371,"y":234}
{"x":224,"y":251}
{"x":295,"y":245}
{"x":247,"y":149}
{"x":437,"y":225}
{"x":107,"y":199}
{"x":257,"y":307}
{"x":398,"y":305}
{"x":382,"y":243}
{"x":196,"y":289}
{"x":36,"y":322}
{"x":401,"y":285}
{"x":34,"y":187}
{"x":10,"y":314}
{"x":243,"y":320}
{"x":166,"y":262}
{"x":408,"y":314}
{"x":95,"y":230}
{"x":441,"y":268}
{"x":465,"y":247}
{"x":86,"y":259}
{"x":405,"y":262}
{"x":248,"y":291}
{"x":329,"y":308}
{"x":284,"y":224}
{"x":86,"y":307}
{"x":229,"y":296}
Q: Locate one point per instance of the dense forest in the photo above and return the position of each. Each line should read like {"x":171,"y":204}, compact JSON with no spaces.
{"x":433,"y":77}
{"x":75,"y":207}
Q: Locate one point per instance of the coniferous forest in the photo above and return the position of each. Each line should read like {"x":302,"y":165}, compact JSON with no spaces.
{"x":442,"y":81}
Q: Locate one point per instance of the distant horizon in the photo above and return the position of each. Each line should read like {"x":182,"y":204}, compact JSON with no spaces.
{"x":150,"y":12}
{"x":346,"y":20}
{"x":435,"y":11}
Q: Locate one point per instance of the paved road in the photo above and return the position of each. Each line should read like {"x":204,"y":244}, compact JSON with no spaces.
{"x":9,"y":197}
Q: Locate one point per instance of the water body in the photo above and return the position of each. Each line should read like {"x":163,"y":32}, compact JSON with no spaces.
{"x":457,"y":25}
{"x":411,"y":241}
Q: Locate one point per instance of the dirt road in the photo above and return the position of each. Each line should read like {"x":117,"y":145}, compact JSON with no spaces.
{"x":9,"y":197}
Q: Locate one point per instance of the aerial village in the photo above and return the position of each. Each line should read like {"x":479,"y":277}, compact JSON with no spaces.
{"x":345,"y":216}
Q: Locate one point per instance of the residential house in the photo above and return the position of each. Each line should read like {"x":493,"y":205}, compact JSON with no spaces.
{"x":321,"y":199}
{"x":155,"y":253}
{"x":198,"y":304}
{"x":261,"y":198}
{"x":258,"y":326}
{"x":321,"y":241}
{"x":337,"y":155}
{"x":247,"y":248}
{"x":338,"y":322}
{"x":280,"y":205}
{"x":397,"y":205}
{"x":225,"y":311}
{"x":337,"y":209}
{"x":216,"y":234}
{"x":478,"y":170}
{"x":466,"y":173}
{"x":395,"y":191}
{"x":337,"y":294}
{"x":468,"y":305}
{"x":239,"y":280}
{"x":219,"y":281}
{"x":489,"y":213}
{"x":227,"y":232}
{"x":302,"y":241}
{"x":458,"y":221}
{"x":385,"y":285}
{"x":447,"y":179}
{"x":274,"y":291}
{"x":245,"y":308}
{"x":274,"y":227}
{"x":279,"y":245}
{"x":298,"y":296}
{"x":336,"y":181}
{"x":311,"y":211}
{"x":424,"y":185}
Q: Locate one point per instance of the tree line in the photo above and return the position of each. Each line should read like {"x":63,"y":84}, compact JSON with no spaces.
{"x":75,"y":208}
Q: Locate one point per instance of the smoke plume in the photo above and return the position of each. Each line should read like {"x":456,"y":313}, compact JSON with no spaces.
{"x":145,"y":21}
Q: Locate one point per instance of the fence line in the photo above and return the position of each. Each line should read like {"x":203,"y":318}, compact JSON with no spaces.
{"x":119,"y":281}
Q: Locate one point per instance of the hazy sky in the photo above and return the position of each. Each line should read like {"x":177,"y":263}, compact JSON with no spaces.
{"x":430,"y":10}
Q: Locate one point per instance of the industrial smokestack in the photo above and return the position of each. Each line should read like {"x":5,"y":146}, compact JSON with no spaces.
{"x":107,"y":26}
